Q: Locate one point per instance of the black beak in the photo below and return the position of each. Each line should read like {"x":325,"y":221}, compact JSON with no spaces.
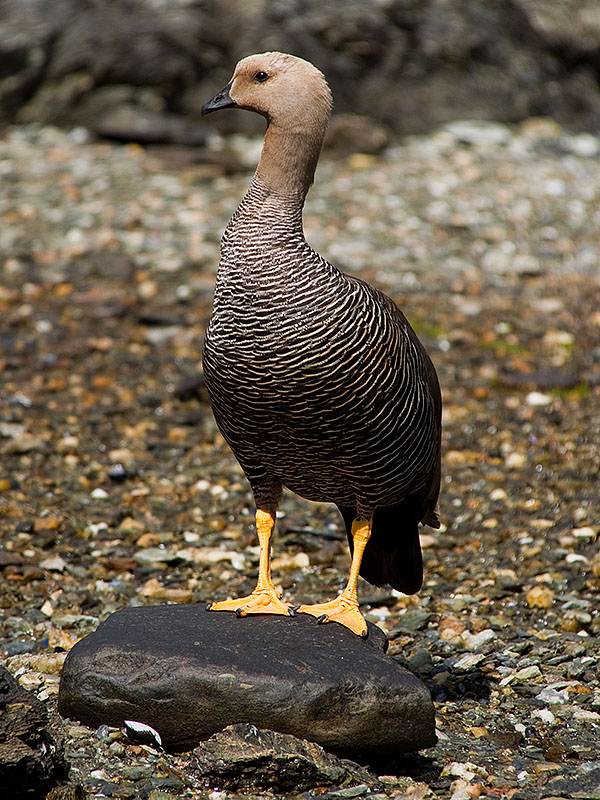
{"x":220,"y":100}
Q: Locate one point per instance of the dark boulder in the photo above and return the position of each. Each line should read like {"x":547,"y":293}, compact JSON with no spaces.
{"x":31,"y":761}
{"x":189,"y":673}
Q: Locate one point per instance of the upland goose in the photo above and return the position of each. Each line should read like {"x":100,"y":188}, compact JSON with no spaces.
{"x":316,"y":379}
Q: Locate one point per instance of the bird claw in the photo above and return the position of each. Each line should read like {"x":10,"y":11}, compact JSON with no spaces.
{"x":343,"y":610}
{"x":261,"y":601}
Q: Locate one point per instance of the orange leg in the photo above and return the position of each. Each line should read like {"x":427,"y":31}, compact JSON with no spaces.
{"x":265,"y":599}
{"x":344,"y":609}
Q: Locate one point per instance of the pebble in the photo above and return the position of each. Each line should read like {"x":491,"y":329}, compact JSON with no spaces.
{"x":515,"y":460}
{"x":552,"y":696}
{"x":54,"y":564}
{"x":582,"y":715}
{"x":538,"y":399}
{"x":474,"y":641}
{"x":540,"y":597}
{"x":544,"y":714}
{"x":351,"y":791}
{"x":482,"y":134}
{"x":467,"y":662}
{"x":155,"y":555}
{"x":584,"y":533}
{"x":212,"y":555}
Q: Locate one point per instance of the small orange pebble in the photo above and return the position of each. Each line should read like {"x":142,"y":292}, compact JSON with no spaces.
{"x":49,"y":523}
{"x":148,"y":540}
{"x":540,"y":597}
{"x":478,"y":731}
{"x":131,"y":525}
{"x":451,"y":629}
{"x":178,"y":434}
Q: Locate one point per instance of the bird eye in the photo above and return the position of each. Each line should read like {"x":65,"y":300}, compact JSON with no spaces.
{"x":261,"y":77}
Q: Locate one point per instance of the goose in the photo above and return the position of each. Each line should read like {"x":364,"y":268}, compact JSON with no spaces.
{"x":316,"y":379}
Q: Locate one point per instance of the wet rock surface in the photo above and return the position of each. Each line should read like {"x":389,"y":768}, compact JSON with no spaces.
{"x":188,"y":673}
{"x":31,"y":761}
{"x":117,"y":491}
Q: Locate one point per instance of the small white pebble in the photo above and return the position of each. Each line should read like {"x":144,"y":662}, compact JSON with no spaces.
{"x":574,"y":558}
{"x":527,"y":673}
{"x":68,"y":444}
{"x":31,"y":680}
{"x":552,"y":696}
{"x":583,"y":715}
{"x":468,"y":661}
{"x":554,"y":187}
{"x":538,"y":399}
{"x":515,"y":460}
{"x":99,"y":774}
{"x":584,"y":533}
{"x":54,"y":564}
{"x":47,"y":609}
{"x":96,"y":527}
{"x":520,"y":727}
{"x":476,"y":640}
{"x":585,"y":145}
{"x":99,"y":494}
{"x":43,"y":326}
{"x":544,"y":714}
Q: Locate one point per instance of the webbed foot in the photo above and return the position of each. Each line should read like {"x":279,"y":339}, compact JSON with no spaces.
{"x":261,"y":601}
{"x":343,"y":610}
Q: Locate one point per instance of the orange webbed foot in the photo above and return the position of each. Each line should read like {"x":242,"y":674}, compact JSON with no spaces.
{"x":343,"y":610}
{"x":261,"y":601}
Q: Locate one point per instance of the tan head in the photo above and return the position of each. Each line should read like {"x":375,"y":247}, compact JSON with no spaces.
{"x":289,"y":91}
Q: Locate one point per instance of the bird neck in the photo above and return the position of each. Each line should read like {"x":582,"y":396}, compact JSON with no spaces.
{"x":289,"y":159}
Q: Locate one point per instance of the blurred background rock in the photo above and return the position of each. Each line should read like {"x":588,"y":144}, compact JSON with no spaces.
{"x":141,"y":69}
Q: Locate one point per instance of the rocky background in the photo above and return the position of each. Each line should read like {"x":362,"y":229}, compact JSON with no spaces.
{"x":141,"y":69}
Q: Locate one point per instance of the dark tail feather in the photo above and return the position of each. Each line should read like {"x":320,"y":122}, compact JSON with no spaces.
{"x":433,"y":521}
{"x":393,"y":553}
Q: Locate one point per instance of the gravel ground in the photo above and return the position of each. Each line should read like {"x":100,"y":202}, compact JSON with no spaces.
{"x":116,"y":488}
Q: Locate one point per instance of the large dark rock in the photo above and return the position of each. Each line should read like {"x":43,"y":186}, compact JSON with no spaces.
{"x":189,"y":673}
{"x":242,"y":757}
{"x":412,"y":64}
{"x":31,"y":761}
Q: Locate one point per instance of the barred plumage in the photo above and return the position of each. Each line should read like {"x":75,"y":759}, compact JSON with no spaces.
{"x":317,"y":381}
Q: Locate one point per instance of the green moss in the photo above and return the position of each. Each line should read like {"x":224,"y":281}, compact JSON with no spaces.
{"x":501,"y":346}
{"x":582,"y":389}
{"x":423,"y":328}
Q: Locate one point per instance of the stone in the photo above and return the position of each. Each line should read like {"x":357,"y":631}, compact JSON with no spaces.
{"x":242,"y":756}
{"x":31,"y":761}
{"x":581,"y":783}
{"x":189,"y":673}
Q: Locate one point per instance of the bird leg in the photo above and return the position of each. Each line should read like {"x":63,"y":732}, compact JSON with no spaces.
{"x":344,"y":609}
{"x":265,"y":599}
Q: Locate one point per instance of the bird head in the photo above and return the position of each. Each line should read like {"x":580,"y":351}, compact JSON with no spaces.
{"x":289,"y":91}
